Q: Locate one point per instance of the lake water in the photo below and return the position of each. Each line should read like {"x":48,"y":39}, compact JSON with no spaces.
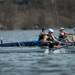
{"x":31,"y":61}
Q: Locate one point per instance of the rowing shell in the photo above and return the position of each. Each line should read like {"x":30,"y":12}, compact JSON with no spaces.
{"x":30,"y":43}
{"x":26,"y":43}
{"x":31,"y":46}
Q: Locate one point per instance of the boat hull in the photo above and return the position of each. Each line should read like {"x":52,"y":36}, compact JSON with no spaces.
{"x":28,"y":43}
{"x":31,"y":43}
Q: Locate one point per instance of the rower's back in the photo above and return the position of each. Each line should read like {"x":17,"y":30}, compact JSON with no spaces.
{"x":43,"y":36}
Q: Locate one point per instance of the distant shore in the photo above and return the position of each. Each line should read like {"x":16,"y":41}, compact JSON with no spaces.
{"x":35,"y":14}
{"x":33,"y":28}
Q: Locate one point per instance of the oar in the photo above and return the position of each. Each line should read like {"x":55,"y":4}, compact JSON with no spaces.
{"x":64,"y":45}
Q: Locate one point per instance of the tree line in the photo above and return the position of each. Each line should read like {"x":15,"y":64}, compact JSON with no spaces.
{"x":30,"y":14}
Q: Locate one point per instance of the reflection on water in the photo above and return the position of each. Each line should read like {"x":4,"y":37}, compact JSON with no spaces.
{"x":33,"y":61}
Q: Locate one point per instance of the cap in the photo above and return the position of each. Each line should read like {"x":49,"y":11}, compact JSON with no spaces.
{"x":61,"y":28}
{"x":50,"y":30}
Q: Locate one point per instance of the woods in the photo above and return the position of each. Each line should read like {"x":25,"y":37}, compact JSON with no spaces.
{"x":31,"y":14}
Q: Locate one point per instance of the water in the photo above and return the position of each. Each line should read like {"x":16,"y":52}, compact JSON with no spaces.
{"x":33,"y":61}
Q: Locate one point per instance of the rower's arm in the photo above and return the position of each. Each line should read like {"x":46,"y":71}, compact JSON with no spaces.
{"x":54,"y":38}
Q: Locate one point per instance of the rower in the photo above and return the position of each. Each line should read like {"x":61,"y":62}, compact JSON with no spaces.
{"x":53,"y":42}
{"x":43,"y":36}
{"x":63,"y":36}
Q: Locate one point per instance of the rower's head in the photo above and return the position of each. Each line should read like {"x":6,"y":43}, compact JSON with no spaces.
{"x":50,"y":30}
{"x":61,"y":29}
